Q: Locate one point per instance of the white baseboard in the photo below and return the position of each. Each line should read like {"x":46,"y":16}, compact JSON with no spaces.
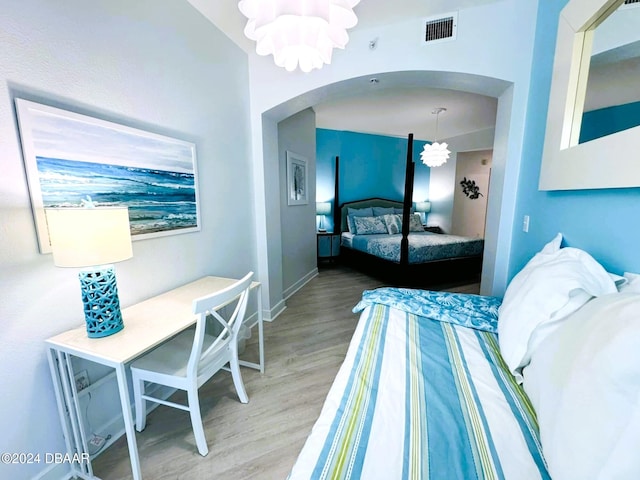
{"x":300,"y":283}
{"x":271,"y":315}
{"x":54,"y":471}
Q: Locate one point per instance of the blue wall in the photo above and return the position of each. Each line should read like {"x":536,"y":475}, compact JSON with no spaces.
{"x":605,"y":121}
{"x":602,"y":222}
{"x":370,"y":166}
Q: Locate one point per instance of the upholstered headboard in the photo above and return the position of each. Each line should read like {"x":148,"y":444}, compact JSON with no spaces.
{"x":369,"y":202}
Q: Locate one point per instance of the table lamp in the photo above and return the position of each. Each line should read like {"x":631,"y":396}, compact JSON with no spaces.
{"x":423,"y":208}
{"x":93,"y":238}
{"x":322,"y":209}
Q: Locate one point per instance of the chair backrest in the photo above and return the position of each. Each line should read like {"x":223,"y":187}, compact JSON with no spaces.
{"x":211,"y":305}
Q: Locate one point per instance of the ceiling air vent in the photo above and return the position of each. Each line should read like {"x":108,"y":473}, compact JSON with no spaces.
{"x":630,"y":3}
{"x":439,"y":29}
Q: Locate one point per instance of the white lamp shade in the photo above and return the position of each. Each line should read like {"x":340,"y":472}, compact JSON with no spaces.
{"x":423,"y":207}
{"x":85,"y":237}
{"x":298,"y":32}
{"x":435,"y":154}
{"x":323,"y":208}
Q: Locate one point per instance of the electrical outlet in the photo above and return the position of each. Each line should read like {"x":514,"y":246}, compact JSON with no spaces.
{"x":525,"y":223}
{"x":97,"y":441}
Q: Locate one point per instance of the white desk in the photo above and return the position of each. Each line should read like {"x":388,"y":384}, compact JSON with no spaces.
{"x":146,"y":325}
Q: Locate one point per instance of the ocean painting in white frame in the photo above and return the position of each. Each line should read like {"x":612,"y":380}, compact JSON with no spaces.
{"x":69,"y":156}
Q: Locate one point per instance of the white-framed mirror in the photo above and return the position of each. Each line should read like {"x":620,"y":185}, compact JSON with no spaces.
{"x":611,"y":161}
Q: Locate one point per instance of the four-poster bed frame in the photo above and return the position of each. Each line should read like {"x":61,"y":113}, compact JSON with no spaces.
{"x":402,"y":273}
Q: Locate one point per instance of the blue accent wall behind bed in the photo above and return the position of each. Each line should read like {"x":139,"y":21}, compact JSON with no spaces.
{"x":370,"y":166}
{"x":602,"y":222}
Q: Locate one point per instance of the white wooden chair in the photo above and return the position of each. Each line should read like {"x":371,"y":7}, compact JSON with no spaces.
{"x":191,"y":358}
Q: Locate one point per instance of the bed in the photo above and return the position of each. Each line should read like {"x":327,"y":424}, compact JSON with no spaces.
{"x":430,"y":257}
{"x":439,"y":385}
{"x":385,"y":238}
{"x":419,"y":396}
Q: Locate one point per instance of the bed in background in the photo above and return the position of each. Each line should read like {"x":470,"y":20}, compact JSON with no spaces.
{"x":542,"y":384}
{"x":386,"y":238}
{"x":430,"y":257}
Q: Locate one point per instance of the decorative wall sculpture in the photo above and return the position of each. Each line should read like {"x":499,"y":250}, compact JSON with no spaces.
{"x":470,"y":189}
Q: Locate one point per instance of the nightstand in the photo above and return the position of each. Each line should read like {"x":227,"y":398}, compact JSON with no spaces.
{"x":328,"y":245}
{"x":433,"y":229}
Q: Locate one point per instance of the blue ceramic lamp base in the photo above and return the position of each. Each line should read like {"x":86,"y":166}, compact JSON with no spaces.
{"x":101,"y":303}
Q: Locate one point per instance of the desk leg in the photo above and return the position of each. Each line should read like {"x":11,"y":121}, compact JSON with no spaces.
{"x":69,"y":412}
{"x":260,"y":330}
{"x":60,"y":398}
{"x":260,"y":365}
{"x":127,"y":415}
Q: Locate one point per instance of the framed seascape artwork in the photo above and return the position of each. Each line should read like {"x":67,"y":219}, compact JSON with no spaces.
{"x":70,"y":157}
{"x":296,"y":179}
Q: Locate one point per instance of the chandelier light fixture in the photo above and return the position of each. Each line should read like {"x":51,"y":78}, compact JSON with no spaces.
{"x":299,"y":32}
{"x":435,"y":154}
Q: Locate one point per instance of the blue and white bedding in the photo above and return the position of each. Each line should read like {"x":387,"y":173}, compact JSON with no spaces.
{"x":423,"y":246}
{"x":423,"y":397}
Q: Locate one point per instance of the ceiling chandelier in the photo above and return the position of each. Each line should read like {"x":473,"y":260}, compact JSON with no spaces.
{"x":298,"y":32}
{"x":435,"y":154}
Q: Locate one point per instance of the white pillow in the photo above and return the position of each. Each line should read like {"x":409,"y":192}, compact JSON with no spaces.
{"x":556,"y":282}
{"x":619,"y":280}
{"x":632,"y":284}
{"x":584,"y":384}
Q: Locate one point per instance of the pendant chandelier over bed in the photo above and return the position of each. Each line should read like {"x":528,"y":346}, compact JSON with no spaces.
{"x":299,"y":32}
{"x":435,"y":154}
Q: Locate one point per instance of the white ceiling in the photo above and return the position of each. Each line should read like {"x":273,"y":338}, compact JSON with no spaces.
{"x":397,"y":112}
{"x":383,"y":111}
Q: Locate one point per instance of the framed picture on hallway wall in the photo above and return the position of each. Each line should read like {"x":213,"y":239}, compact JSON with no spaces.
{"x":69,"y":157}
{"x":297,"y":183}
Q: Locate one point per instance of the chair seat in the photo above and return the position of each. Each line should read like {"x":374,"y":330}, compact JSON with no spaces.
{"x":171,"y":357}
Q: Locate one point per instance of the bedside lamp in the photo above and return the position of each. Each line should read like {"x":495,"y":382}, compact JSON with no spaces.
{"x":93,"y":238}
{"x":423,"y":208}
{"x":322,"y":209}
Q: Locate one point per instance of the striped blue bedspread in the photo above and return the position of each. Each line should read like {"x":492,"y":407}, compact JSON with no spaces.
{"x":423,"y":246}
{"x":418,"y":398}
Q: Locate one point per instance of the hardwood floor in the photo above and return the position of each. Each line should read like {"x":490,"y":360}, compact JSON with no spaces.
{"x":304,"y":349}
